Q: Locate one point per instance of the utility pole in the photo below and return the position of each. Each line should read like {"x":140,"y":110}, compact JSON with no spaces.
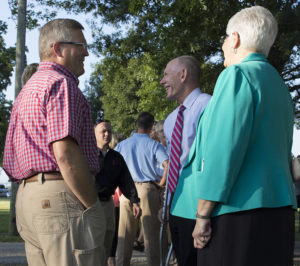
{"x":20,"y":62}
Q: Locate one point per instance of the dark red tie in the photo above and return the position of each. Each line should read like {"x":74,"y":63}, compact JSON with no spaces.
{"x":175,"y":151}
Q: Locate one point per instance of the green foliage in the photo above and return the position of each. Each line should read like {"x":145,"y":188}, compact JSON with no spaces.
{"x":130,"y":89}
{"x":161,"y":30}
{"x":149,"y":33}
{"x":152,"y":96}
{"x":7,"y":59}
{"x":120,"y":101}
{"x":7,"y":62}
{"x":34,"y":13}
{"x":5,"y":107}
{"x":92,"y":93}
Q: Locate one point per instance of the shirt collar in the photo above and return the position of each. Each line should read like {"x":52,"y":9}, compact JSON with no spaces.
{"x":255,"y":57}
{"x":191,"y":98}
{"x":103,"y":153}
{"x":47,"y":65}
{"x":140,"y":134}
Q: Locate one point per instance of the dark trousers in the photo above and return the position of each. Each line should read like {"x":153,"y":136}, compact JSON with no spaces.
{"x":115,"y":240}
{"x":263,"y":236}
{"x":182,"y":239}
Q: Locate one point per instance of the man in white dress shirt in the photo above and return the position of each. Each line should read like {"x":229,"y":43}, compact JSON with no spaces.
{"x":181,"y":81}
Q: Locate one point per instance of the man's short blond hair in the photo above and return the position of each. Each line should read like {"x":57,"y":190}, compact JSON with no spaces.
{"x":55,"y":31}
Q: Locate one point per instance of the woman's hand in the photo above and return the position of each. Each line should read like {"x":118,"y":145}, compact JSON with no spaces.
{"x":202,"y":230}
{"x":202,"y":233}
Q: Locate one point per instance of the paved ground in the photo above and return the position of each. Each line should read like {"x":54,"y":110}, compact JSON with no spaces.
{"x":297,"y":253}
{"x":13,"y":254}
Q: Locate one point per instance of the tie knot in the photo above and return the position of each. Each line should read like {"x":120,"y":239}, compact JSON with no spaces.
{"x":181,"y":108}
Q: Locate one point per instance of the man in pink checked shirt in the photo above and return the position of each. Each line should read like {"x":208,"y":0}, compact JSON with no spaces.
{"x":51,"y":151}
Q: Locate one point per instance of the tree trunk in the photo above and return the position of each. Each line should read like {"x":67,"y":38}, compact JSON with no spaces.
{"x":20,"y":61}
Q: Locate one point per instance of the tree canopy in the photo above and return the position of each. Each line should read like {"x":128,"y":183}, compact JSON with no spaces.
{"x":149,"y":33}
{"x":161,"y":30}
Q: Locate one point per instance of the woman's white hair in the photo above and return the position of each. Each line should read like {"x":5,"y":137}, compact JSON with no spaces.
{"x":256,"y":27}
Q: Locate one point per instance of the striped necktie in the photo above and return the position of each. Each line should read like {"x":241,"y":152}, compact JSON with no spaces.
{"x":175,"y":151}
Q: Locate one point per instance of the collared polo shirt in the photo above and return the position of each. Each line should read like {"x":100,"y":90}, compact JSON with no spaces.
{"x":142,"y":154}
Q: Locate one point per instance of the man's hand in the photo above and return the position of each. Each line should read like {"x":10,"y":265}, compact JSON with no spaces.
{"x":163,"y":217}
{"x":161,"y":183}
{"x":136,"y":210}
{"x":202,"y":233}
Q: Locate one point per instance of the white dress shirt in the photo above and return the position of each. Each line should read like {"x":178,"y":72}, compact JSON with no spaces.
{"x":194,"y":104}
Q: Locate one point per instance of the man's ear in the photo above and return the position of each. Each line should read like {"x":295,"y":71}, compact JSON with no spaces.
{"x":183,"y":74}
{"x":57,"y":50}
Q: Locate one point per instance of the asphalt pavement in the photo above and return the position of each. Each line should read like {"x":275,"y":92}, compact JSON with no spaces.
{"x":13,"y":254}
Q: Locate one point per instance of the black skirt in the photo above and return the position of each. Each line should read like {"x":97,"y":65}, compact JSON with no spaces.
{"x":263,"y":236}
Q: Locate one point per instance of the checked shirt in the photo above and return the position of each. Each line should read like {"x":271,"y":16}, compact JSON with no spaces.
{"x":50,"y":107}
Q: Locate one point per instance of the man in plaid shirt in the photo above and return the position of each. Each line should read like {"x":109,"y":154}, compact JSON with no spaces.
{"x":51,"y":151}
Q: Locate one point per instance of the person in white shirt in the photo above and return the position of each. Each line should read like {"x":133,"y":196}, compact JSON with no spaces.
{"x":181,"y":81}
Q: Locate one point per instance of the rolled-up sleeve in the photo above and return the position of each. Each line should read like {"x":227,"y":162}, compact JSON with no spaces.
{"x":64,"y":111}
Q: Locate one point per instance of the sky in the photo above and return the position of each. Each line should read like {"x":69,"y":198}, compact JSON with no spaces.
{"x":33,"y":57}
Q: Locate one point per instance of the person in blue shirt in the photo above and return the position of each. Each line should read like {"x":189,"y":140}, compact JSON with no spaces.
{"x":142,"y":154}
{"x":236,"y":182}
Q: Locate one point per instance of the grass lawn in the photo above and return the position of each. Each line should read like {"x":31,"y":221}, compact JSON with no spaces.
{"x":4,"y":222}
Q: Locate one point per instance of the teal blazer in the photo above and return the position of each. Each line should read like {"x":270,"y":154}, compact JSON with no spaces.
{"x":241,"y":154}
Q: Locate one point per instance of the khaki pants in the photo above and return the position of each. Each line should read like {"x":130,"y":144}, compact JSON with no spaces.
{"x":150,"y":204}
{"x":56,"y":228}
{"x":109,"y":211}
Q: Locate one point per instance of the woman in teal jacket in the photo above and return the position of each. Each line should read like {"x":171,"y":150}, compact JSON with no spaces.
{"x":236,"y":182}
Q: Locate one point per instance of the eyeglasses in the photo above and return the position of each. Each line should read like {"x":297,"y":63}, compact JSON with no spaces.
{"x":83,"y":45}
{"x":223,"y":38}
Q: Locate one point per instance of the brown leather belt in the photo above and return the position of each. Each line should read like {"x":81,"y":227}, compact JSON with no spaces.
{"x":48,"y":176}
{"x":150,"y":182}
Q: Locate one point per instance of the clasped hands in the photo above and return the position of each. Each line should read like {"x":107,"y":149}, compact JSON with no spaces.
{"x":202,"y":233}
